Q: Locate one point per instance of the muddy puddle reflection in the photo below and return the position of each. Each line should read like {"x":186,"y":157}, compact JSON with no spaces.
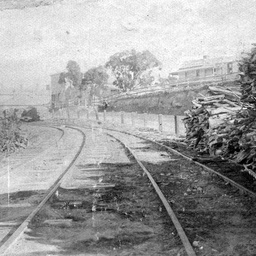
{"x":117,"y":213}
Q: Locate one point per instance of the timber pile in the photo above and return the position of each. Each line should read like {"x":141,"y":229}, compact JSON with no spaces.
{"x":224,"y":124}
{"x":207,"y":124}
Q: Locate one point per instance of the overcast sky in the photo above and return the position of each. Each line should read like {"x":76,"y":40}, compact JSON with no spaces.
{"x":36,"y":42}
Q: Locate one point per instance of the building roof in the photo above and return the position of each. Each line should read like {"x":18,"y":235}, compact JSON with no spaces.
{"x":205,"y":62}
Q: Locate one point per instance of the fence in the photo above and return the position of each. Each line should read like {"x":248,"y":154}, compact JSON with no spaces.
{"x":170,"y":87}
{"x":169,"y":124}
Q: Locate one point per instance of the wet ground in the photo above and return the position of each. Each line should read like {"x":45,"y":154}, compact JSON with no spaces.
{"x":106,"y":206}
{"x":217,"y":218}
{"x":120,"y":216}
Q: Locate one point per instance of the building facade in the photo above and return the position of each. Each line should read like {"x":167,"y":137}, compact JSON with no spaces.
{"x":225,"y":68}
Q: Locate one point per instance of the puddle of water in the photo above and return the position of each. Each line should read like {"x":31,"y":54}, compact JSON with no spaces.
{"x":152,"y":156}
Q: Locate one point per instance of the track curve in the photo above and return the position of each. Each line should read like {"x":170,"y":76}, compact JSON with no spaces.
{"x":23,"y":226}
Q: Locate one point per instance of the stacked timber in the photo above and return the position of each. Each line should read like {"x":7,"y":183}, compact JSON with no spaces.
{"x":224,"y":123}
{"x":208,"y":121}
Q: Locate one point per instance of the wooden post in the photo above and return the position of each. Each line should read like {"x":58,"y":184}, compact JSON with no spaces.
{"x":78,"y":114}
{"x":160,"y":122}
{"x":122,"y":117}
{"x":104,"y":115}
{"x":88,"y":114}
{"x":176,"y":125}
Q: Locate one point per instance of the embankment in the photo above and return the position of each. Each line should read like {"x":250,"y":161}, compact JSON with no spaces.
{"x":167,"y":103}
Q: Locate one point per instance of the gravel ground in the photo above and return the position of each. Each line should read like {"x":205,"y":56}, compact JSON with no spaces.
{"x":105,"y":206}
{"x":91,"y":216}
{"x":216,"y":217}
{"x":28,"y":174}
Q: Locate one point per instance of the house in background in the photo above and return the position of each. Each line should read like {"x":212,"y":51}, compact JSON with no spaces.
{"x":225,"y":68}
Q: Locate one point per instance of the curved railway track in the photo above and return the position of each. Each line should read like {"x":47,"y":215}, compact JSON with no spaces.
{"x":228,"y":171}
{"x":182,"y":202}
{"x":187,"y":201}
{"x":187,"y":245}
{"x":214,"y":167}
{"x":18,"y":230}
{"x":228,"y":176}
{"x":69,"y":204}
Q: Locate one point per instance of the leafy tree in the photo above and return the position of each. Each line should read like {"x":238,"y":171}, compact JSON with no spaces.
{"x":62,"y":77}
{"x":96,"y":76}
{"x":74,"y":72}
{"x":128,"y":65}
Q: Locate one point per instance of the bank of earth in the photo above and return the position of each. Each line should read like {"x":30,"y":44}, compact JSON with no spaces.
{"x":166,"y":103}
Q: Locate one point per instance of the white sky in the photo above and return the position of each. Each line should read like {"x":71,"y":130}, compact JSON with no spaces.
{"x":36,"y":42}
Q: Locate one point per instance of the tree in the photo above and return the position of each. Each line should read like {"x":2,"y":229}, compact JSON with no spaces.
{"x":97,"y":76}
{"x":74,"y":73}
{"x":62,"y":77}
{"x":128,"y":65}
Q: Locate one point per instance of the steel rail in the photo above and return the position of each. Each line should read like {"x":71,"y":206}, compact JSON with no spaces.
{"x":228,"y":180}
{"x":23,"y":226}
{"x":241,"y":188}
{"x":187,"y":245}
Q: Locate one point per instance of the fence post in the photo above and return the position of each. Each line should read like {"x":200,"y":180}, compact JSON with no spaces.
{"x":122,"y":117}
{"x":104,"y":115}
{"x":88,"y":114}
{"x":176,"y":125}
{"x":78,"y":113}
{"x":160,"y":122}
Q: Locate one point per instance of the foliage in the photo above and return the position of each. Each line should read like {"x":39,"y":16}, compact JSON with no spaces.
{"x":74,"y":73}
{"x":128,"y":65}
{"x":96,"y":75}
{"x":62,"y":77}
{"x":31,"y":113}
{"x":11,"y":137}
{"x":146,"y":79}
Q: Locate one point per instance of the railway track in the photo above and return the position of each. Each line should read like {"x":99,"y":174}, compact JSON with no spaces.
{"x":201,"y":194}
{"x":24,"y":185}
{"x":230,"y":172}
{"x":101,"y":202}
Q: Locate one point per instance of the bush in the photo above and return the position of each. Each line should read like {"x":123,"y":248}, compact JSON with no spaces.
{"x":31,"y":115}
{"x":11,"y":136}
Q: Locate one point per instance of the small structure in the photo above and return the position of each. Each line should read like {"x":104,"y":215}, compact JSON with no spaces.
{"x":109,"y":89}
{"x":225,"y":68}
